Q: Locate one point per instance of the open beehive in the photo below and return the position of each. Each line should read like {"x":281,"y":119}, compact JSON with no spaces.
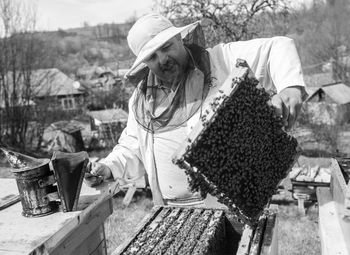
{"x":239,"y":152}
{"x":176,"y":230}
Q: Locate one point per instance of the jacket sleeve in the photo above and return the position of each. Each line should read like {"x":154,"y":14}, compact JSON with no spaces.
{"x":274,"y":61}
{"x":125,"y":159}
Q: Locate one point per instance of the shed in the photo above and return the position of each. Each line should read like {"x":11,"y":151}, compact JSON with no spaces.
{"x":109,"y":124}
{"x":337,"y":93}
{"x":64,"y":136}
{"x":329,"y":100}
{"x":108,"y":116}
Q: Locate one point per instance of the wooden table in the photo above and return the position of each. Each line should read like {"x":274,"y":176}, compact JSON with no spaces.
{"x":79,"y":232}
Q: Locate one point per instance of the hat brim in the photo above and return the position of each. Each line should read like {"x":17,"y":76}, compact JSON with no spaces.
{"x":150,"y":47}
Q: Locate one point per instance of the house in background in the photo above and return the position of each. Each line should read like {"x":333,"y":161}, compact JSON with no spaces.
{"x":108,"y":125}
{"x":52,"y":85}
{"x":329,"y":100}
{"x":49,"y":86}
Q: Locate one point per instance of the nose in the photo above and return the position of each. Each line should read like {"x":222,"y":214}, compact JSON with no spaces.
{"x":162,"y":58}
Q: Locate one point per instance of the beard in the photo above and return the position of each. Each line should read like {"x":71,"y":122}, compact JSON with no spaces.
{"x":172,"y":71}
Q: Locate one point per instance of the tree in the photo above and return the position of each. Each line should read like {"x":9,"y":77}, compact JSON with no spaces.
{"x":18,"y":57}
{"x":110,"y":32}
{"x":116,"y":97}
{"x":225,"y":21}
{"x":338,"y":17}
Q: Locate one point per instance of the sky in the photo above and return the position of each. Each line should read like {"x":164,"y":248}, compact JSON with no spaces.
{"x":55,"y":14}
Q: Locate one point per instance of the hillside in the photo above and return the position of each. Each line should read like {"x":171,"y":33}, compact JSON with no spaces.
{"x":71,"y":49}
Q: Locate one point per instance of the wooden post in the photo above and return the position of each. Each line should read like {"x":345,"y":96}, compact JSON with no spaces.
{"x":301,"y":203}
{"x":129,"y":194}
{"x":270,"y":241}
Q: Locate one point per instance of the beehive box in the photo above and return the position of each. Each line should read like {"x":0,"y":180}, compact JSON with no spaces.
{"x":239,"y":151}
{"x":334,"y":210}
{"x":176,"y":230}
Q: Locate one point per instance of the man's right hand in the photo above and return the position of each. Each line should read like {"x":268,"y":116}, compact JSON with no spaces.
{"x":99,"y":169}
{"x":96,"y":173}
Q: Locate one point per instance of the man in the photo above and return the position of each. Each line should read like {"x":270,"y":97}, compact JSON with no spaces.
{"x":167,"y":103}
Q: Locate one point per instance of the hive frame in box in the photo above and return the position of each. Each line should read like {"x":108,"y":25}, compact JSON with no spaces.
{"x":259,"y":240}
{"x":216,"y":100}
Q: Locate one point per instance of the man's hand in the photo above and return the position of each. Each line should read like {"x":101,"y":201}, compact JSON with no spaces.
{"x":288,"y":104}
{"x":97,"y":172}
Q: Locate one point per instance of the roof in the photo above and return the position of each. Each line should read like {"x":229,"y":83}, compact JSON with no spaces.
{"x":339,"y":93}
{"x":52,"y":82}
{"x":319,"y":79}
{"x":93,"y":72}
{"x":109,"y":115}
{"x":43,"y":82}
{"x":66,"y":126}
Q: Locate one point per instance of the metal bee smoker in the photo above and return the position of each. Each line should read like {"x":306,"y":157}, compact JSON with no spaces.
{"x":34,"y":181}
{"x":41,"y":187}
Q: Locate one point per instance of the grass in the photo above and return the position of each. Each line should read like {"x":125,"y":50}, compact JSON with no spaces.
{"x":298,"y":234}
{"x":124,"y":220}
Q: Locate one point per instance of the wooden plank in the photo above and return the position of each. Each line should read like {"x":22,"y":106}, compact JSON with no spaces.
{"x":9,"y":200}
{"x":244,"y":244}
{"x":100,"y":250}
{"x":7,"y":252}
{"x":64,"y":242}
{"x":269,"y":245}
{"x":129,"y":195}
{"x":301,"y":202}
{"x":258,"y":236}
{"x":347,"y":203}
{"x":8,"y":187}
{"x":333,"y":240}
{"x":338,"y":186}
{"x":339,"y":190}
{"x":95,"y":243}
{"x":305,"y":183}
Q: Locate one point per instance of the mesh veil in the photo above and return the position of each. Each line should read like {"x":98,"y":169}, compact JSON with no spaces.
{"x":183,"y":105}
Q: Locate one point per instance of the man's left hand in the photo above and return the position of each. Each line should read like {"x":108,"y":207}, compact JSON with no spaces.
{"x":288,"y":103}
